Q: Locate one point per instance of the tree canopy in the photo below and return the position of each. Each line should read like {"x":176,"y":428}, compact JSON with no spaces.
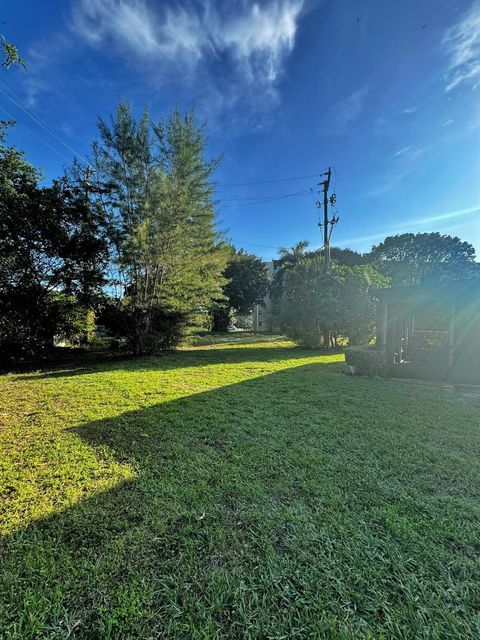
{"x":52,"y":244}
{"x":247,"y":284}
{"x":320,"y":307}
{"x":411,"y":258}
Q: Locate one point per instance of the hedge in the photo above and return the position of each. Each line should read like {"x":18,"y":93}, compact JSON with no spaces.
{"x":367,"y":360}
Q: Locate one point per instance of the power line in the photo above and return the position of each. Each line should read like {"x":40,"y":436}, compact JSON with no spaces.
{"x":252,"y":244}
{"x":21,"y":105}
{"x":35,"y":135}
{"x":18,"y":102}
{"x":244,"y":184}
{"x":266,"y":200}
{"x":259,"y":198}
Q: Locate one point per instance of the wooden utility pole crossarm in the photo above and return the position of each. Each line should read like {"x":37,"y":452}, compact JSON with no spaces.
{"x":327,"y":224}
{"x":326,"y":237}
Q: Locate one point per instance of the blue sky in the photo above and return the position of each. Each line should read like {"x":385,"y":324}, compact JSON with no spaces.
{"x":385,"y":92}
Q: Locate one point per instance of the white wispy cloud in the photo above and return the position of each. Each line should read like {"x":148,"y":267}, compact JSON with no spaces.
{"x":403,"y":167}
{"x":411,"y":153}
{"x":400,"y":152}
{"x":447,"y":123}
{"x":409,"y":110}
{"x":256,"y":37}
{"x":345,"y":112}
{"x":411,"y":225}
{"x":462,"y":45}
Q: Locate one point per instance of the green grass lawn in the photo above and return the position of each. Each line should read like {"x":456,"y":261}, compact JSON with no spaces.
{"x":236,"y":491}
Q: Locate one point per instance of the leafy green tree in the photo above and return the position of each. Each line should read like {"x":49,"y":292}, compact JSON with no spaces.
{"x":411,"y":258}
{"x":347,"y":257}
{"x":247,"y":285}
{"x":168,"y":256}
{"x":51,"y":243}
{"x":319,"y":307}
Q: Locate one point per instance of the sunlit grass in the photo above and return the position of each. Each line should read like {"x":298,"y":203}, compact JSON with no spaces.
{"x":48,"y":467}
{"x":236,"y":491}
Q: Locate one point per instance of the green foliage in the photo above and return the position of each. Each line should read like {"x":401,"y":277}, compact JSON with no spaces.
{"x":51,"y":243}
{"x":367,"y":360}
{"x":319,"y":307}
{"x":411,"y":258}
{"x":243,"y":491}
{"x":168,"y":254}
{"x":248,"y":282}
{"x":247,"y":285}
{"x":347,"y":257}
{"x":289,"y":257}
{"x":358,"y":307}
{"x":165,"y":326}
{"x":71,"y":320}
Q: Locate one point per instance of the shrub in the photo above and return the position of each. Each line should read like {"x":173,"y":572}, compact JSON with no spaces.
{"x":168,"y":327}
{"x":31,"y":322}
{"x":151,"y":330}
{"x":322,"y":308}
{"x":367,"y":360}
{"x":71,"y":320}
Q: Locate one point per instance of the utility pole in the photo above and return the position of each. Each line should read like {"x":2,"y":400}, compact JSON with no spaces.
{"x":327,"y":224}
{"x":326,"y":238}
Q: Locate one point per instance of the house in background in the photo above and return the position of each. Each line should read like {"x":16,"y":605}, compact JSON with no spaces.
{"x":431,"y":331}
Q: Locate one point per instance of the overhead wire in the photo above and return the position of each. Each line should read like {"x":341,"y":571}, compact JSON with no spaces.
{"x":265,"y":200}
{"x":266,"y":197}
{"x":9,"y":115}
{"x":21,"y":105}
{"x":235,"y":201}
{"x":245,"y":184}
{"x":231,"y":202}
{"x":253,"y":244}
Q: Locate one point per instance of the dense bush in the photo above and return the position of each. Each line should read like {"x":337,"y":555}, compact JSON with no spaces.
{"x":70,"y":320}
{"x":148,"y":330}
{"x":31,"y":320}
{"x":324,"y":308}
{"x":367,"y":360}
{"x":141,"y":225}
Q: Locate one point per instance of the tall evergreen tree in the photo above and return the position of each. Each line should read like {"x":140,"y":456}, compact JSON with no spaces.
{"x":169,"y":257}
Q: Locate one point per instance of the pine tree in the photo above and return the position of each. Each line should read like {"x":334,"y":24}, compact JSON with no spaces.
{"x":169,"y":257}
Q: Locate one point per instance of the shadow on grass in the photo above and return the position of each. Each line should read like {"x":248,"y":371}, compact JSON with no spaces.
{"x":211,"y":470}
{"x":259,"y":510}
{"x":183,"y":358}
